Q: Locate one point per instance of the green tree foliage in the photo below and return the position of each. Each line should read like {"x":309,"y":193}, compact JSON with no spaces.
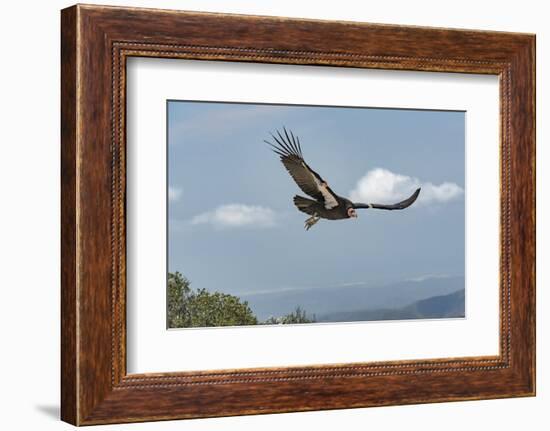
{"x":179,"y":291}
{"x":188,"y":308}
{"x":219,"y":309}
{"x":299,"y":315}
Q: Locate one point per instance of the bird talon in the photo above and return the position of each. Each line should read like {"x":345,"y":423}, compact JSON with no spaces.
{"x":311,"y":221}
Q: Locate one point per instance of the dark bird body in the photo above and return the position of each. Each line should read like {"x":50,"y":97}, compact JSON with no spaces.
{"x":325,"y":203}
{"x":311,"y":207}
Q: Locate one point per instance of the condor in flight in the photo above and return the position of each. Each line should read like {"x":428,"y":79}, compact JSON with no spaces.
{"x":325,"y":203}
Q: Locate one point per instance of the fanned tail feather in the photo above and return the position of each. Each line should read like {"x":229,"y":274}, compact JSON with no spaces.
{"x":305,"y":205}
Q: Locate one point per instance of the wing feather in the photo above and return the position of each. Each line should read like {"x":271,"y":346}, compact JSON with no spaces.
{"x":288,"y":148}
{"x":397,"y":206}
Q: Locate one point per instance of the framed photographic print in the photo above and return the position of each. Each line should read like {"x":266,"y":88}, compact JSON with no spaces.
{"x":264,"y":215}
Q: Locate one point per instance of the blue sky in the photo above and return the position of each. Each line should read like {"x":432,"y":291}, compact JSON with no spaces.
{"x":232,"y":224}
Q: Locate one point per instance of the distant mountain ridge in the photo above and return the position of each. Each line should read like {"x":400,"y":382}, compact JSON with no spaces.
{"x":443,"y":306}
{"x":326,"y":301}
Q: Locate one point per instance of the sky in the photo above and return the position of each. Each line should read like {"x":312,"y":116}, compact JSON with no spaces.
{"x":232,"y":225}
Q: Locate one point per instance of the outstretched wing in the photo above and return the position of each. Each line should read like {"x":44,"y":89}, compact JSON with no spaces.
{"x":289,"y":149}
{"x":398,"y":206}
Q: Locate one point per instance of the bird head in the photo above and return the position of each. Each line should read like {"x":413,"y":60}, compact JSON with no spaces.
{"x":352,"y":213}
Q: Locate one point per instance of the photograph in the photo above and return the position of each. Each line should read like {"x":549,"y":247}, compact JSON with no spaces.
{"x":285,"y":214}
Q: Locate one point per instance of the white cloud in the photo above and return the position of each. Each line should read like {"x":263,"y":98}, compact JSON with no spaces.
{"x":173,"y":194}
{"x":237,"y":215}
{"x":383,"y":186}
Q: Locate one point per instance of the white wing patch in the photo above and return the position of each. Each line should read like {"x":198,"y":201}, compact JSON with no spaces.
{"x":330,"y":200}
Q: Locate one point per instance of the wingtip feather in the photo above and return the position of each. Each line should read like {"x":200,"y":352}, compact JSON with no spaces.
{"x":285,"y":144}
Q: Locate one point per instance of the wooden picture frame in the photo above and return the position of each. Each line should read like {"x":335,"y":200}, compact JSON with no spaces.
{"x":95,"y":43}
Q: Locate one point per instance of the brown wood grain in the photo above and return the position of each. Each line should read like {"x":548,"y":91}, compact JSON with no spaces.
{"x":68,"y":217}
{"x":96,"y":41}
